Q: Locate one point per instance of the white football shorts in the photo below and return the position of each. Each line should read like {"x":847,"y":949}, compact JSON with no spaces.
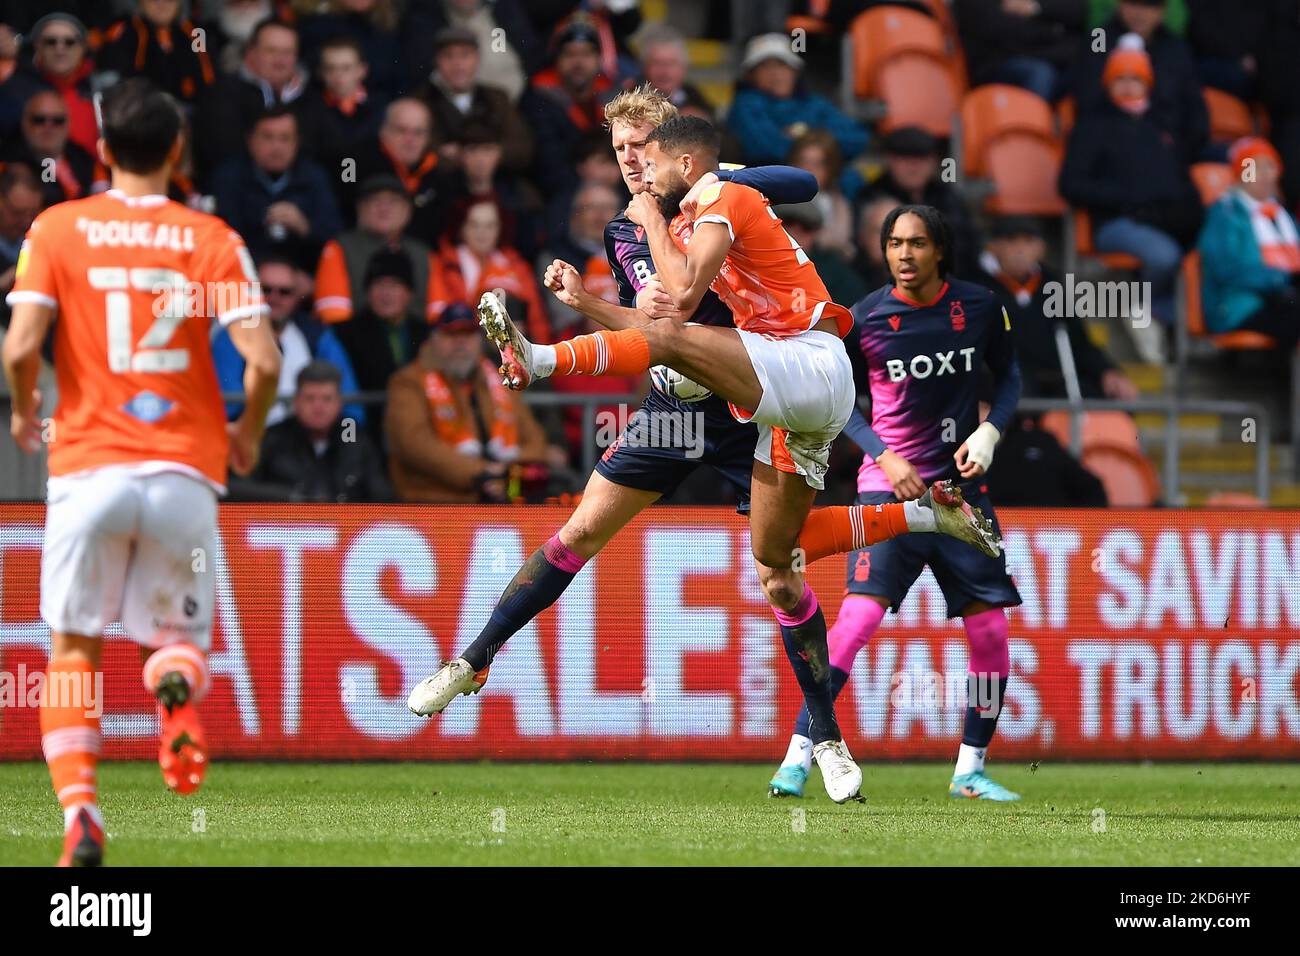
{"x":130,"y":546}
{"x":808,"y":395}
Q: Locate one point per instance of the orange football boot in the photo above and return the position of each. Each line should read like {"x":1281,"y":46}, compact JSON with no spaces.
{"x":182,"y":749}
{"x":83,"y":844}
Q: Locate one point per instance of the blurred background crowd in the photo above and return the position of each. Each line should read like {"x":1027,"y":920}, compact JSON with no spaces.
{"x":389,"y":160}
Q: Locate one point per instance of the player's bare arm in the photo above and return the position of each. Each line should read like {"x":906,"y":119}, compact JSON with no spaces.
{"x":566,"y":282}
{"x":28,"y":326}
{"x":685,"y":276}
{"x":256,"y":344}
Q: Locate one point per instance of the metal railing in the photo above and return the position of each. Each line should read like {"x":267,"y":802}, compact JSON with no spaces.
{"x":590,"y":403}
{"x":1170,"y":408}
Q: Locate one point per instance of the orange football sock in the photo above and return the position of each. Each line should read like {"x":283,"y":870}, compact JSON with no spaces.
{"x":847,"y":528}
{"x":185,"y":658}
{"x":70,"y":738}
{"x":625,"y":352}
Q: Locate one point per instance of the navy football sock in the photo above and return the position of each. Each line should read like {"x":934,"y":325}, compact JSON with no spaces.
{"x":987,"y":695}
{"x":805,"y":647}
{"x":838,"y":679}
{"x":535,"y":587}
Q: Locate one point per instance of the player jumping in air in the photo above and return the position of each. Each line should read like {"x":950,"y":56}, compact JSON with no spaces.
{"x":925,"y":340}
{"x":139,"y":444}
{"x":794,"y":375}
{"x":632,"y":475}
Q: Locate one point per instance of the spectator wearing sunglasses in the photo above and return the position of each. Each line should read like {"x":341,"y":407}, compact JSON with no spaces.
{"x":302,"y":340}
{"x":66,"y":170}
{"x":60,"y":62}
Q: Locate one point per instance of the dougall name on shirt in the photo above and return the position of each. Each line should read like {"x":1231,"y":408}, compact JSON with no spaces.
{"x":119,"y":233}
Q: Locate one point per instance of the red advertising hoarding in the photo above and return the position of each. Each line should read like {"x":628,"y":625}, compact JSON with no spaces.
{"x":1144,"y":634}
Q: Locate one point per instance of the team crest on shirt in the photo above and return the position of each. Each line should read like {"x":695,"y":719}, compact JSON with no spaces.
{"x":24,"y":254}
{"x":958,"y":316}
{"x":710,"y":195}
{"x":148,"y":407}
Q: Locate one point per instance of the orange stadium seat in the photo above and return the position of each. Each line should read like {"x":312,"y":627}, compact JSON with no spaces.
{"x":1130,"y":480}
{"x":1009,"y":135}
{"x":883,"y":34}
{"x":1121,"y":261}
{"x":1230,"y":118}
{"x":940,"y":10}
{"x":1234,"y":499}
{"x":1212,"y":180}
{"x":903,"y":57}
{"x":919,"y":90}
{"x":1243,"y":340}
{"x":1114,"y":429}
{"x":1065,"y":116}
{"x":806,"y":23}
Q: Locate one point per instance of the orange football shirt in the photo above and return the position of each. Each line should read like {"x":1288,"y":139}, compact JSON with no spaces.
{"x":137,"y":283}
{"x":766,"y":280}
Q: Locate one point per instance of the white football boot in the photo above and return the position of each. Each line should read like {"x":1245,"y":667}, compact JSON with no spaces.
{"x":516,"y":351}
{"x":842,"y":776}
{"x":433,"y":694}
{"x":954,"y":517}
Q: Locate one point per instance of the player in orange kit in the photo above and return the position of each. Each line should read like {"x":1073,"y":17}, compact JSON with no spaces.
{"x":138,"y":445}
{"x":781,"y":366}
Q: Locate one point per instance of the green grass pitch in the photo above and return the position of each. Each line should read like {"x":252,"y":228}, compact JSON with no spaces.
{"x":675,"y":814}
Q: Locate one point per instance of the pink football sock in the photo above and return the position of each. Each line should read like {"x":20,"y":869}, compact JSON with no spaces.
{"x":858,"y":619}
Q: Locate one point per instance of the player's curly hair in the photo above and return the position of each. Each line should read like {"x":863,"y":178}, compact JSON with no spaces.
{"x":936,"y":227}
{"x":644,"y":104}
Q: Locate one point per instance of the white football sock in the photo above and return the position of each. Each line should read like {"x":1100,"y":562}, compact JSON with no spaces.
{"x":70,"y":814}
{"x":919,"y":518}
{"x":543,"y":360}
{"x":969,"y":760}
{"x":800,"y":753}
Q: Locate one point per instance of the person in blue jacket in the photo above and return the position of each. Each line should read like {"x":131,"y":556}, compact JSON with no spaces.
{"x":1250,"y":251}
{"x":302,"y":339}
{"x":772,"y":109}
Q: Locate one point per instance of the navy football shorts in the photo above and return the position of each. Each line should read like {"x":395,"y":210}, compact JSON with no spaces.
{"x":962,"y":571}
{"x":664,"y":442}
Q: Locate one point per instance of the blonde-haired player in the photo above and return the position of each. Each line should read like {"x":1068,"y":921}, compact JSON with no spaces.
{"x":634,"y":473}
{"x":130,"y":281}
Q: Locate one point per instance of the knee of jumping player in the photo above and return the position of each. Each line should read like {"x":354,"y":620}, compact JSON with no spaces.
{"x":665,"y":340}
{"x":782,"y":587}
{"x":583,"y":536}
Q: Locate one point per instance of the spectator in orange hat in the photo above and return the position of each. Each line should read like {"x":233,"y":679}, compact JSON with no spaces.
{"x":1177,"y":103}
{"x":1128,"y":171}
{"x":1250,"y":250}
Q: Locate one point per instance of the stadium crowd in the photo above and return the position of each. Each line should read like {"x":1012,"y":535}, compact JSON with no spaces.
{"x":387,"y":161}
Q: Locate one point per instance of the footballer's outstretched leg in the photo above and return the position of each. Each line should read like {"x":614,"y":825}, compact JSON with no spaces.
{"x":605,"y":508}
